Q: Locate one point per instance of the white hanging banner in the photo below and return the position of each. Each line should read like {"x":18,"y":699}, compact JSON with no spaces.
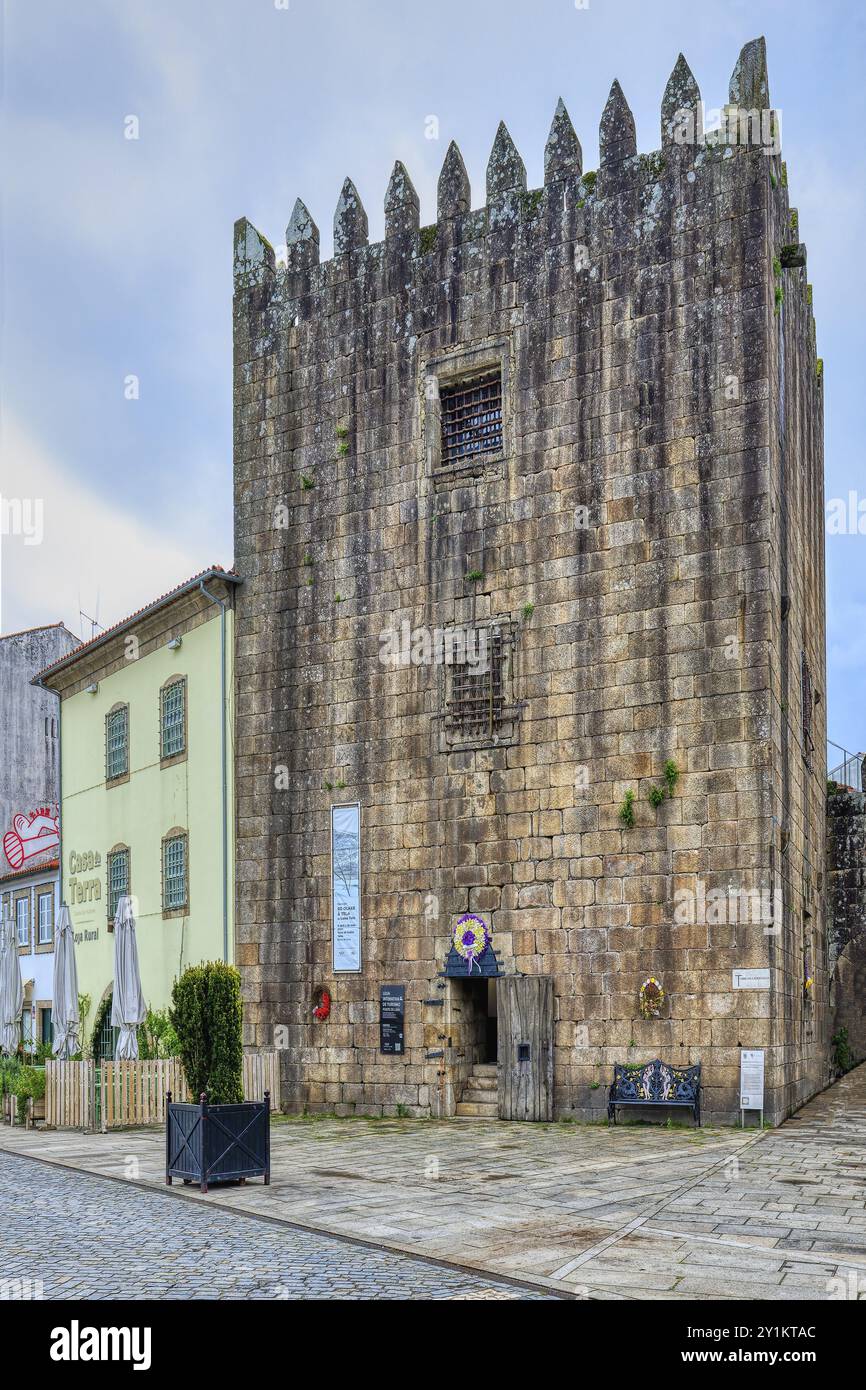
{"x":751,"y":1080}
{"x":346,"y":888}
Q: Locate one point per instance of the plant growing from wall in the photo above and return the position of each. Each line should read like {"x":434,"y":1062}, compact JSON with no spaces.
{"x":656,"y":796}
{"x":672,"y":775}
{"x":843,"y":1057}
{"x":206,"y":1014}
{"x":626,"y":810}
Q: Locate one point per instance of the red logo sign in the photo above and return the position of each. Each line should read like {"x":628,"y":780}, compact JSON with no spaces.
{"x":32,"y":835}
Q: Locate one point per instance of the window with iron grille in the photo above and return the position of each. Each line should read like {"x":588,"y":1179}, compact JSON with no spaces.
{"x":807,"y":701}
{"x":477,"y":705}
{"x":174,"y":888}
{"x":117,"y":743}
{"x":471,"y":415}
{"x":173,"y":718}
{"x":118,"y":879}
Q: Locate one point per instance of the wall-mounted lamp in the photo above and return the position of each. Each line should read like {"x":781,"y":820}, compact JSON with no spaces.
{"x":175,"y":643}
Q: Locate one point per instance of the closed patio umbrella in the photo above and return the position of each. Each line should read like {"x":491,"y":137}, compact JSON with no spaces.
{"x":65,"y":1002}
{"x":11,"y":989}
{"x":128,"y":1008}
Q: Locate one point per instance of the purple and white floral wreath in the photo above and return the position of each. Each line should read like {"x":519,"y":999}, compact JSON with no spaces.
{"x":471,"y":939}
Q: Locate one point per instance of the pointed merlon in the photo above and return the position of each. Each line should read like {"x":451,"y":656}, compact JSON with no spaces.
{"x":505,"y":169}
{"x":302,"y":239}
{"x":254,"y":259}
{"x":682,"y":118}
{"x":402,"y":204}
{"x":454,"y":195}
{"x":617,"y":139}
{"x":350,"y":221}
{"x":750,"y":85}
{"x":563,"y":157}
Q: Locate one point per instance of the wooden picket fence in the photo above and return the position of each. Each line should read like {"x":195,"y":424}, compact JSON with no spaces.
{"x":133,"y":1093}
{"x":70,"y":1094}
{"x":262,"y":1073}
{"x":78,"y":1095}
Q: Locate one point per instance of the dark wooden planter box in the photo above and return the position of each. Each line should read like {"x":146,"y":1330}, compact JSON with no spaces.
{"x":217,"y":1143}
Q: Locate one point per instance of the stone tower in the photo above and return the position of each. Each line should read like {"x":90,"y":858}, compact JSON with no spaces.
{"x":529,"y":509}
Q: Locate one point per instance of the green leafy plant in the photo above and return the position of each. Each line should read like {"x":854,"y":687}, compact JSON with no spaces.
{"x":206,"y":1014}
{"x":427,"y":238}
{"x":474,"y":575}
{"x":528,"y":610}
{"x":779,"y":298}
{"x":343,"y":448}
{"x":672,"y":775}
{"x":832,"y":786}
{"x":656,"y":796}
{"x":29,"y":1084}
{"x":403,"y":1112}
{"x":307,"y":482}
{"x":341,"y":431}
{"x":843,"y":1057}
{"x":156,"y":1037}
{"x":626,"y":810}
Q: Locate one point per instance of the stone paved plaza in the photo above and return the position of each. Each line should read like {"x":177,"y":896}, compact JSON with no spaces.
{"x":632,"y":1212}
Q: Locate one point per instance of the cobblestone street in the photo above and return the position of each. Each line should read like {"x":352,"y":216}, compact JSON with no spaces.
{"x":84,"y":1237}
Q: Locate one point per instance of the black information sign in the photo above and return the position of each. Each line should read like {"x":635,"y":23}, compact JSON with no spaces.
{"x":392,"y":1011}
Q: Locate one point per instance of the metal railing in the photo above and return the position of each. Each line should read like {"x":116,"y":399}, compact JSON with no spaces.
{"x":850,"y":771}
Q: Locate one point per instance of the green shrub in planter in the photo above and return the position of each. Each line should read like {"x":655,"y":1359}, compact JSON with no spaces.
{"x":206,"y":1015}
{"x":28,"y":1084}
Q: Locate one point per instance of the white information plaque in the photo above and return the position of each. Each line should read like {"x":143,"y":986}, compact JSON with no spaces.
{"x":752,"y":1080}
{"x":346,"y":888}
{"x":751,"y":979}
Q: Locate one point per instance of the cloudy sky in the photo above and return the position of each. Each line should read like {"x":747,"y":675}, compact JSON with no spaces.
{"x":116,"y":253}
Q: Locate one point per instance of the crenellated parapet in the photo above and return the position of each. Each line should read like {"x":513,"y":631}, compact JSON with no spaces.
{"x":511,"y":210}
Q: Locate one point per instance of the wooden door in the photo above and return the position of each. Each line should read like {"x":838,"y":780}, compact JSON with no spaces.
{"x":525,"y":1045}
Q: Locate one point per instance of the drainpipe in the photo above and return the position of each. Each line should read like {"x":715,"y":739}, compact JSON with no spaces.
{"x":51,"y":691}
{"x":222,"y":607}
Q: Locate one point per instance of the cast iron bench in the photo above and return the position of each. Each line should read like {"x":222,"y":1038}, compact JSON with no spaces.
{"x":655,"y":1083}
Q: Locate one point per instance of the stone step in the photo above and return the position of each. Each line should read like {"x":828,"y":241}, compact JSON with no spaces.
{"x":482,"y":1083}
{"x":477,"y":1110}
{"x":484,"y":1069}
{"x":473,"y":1096}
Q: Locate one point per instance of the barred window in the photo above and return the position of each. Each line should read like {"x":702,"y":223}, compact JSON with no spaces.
{"x":173,"y":718}
{"x":471,"y":414}
{"x":174,"y":885}
{"x":117,"y":743}
{"x":807,"y":701}
{"x":118,"y":879}
{"x":478,"y":709}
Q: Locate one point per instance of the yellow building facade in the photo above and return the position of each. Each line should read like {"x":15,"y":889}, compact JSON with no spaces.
{"x":147,"y":791}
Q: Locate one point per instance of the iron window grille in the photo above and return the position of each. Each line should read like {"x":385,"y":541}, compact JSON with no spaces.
{"x":45,"y":923}
{"x":22,"y":921}
{"x":471,"y":415}
{"x":807,"y":701}
{"x":173,"y":719}
{"x":477,"y":707}
{"x":174,"y":873}
{"x":117,"y":743}
{"x":106,"y":1044}
{"x":118,"y":879}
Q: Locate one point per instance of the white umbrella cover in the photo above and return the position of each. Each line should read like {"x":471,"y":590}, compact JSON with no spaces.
{"x":128,"y":1008}
{"x":11,"y":989}
{"x":65,"y":1002}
